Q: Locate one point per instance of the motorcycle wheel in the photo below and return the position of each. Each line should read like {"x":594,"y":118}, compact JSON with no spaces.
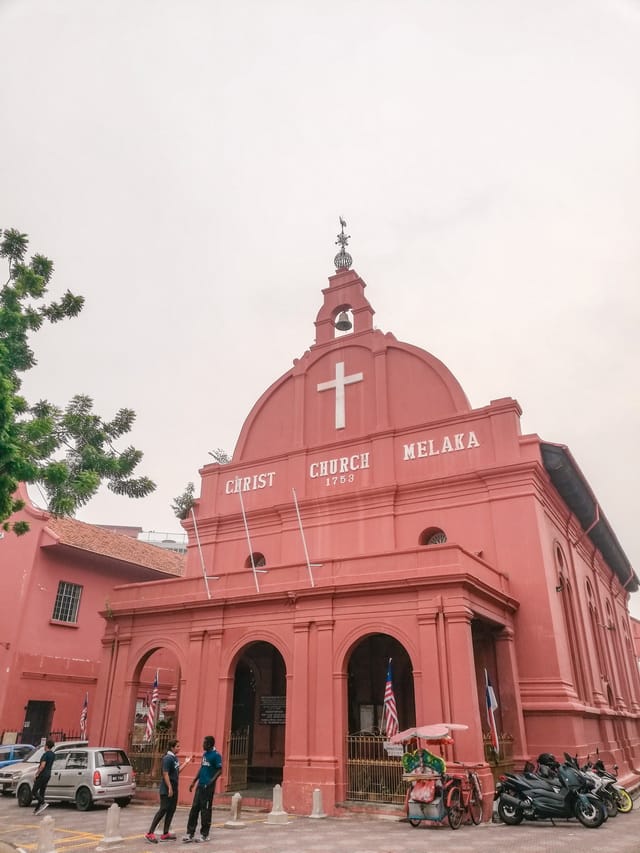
{"x":625,"y":803}
{"x":590,"y":814}
{"x":610,"y":805}
{"x":454,"y":809}
{"x":509,"y":814}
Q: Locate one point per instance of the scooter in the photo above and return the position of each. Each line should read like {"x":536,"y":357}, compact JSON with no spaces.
{"x":597,"y":784}
{"x":621,"y":795}
{"x":528,"y":796}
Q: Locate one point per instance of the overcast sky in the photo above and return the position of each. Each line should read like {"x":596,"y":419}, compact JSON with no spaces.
{"x":184,"y":162}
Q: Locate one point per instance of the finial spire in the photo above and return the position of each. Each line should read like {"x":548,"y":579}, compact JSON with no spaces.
{"x":343,"y":259}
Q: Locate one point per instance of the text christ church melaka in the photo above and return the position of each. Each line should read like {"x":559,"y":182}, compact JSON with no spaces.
{"x":370,"y":513}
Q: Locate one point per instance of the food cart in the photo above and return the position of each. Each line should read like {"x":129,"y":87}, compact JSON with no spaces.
{"x":425,"y":771}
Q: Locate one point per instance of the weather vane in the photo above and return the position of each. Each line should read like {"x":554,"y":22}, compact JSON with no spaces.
{"x":343,"y":259}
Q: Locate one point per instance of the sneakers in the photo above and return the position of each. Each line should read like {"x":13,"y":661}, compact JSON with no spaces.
{"x":41,"y":808}
{"x":187,"y":839}
{"x":150,"y":836}
{"x":167,"y":836}
{"x":202,"y":839}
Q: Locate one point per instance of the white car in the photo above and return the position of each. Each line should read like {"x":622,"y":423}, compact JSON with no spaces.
{"x":85,"y":775}
{"x":10,"y":777}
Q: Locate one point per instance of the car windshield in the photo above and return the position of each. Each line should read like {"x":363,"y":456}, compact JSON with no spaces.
{"x":111,"y":758}
{"x":27,"y":755}
{"x":36,"y":755}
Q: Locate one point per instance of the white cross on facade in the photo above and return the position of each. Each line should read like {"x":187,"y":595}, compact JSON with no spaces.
{"x":339,"y":383}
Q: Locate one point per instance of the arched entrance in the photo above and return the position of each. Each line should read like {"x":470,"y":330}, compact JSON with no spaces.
{"x":374,"y":772}
{"x":155,"y":713}
{"x":255,"y":744}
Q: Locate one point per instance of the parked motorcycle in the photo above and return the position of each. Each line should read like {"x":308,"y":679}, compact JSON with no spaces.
{"x":597,"y":784}
{"x":621,"y":795}
{"x":529,"y":796}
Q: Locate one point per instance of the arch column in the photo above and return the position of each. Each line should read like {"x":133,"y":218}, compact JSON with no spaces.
{"x":430,"y":680}
{"x":510,"y":704}
{"x":462,"y":688}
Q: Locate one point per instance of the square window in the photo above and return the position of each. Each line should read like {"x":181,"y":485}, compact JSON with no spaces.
{"x":67,"y":602}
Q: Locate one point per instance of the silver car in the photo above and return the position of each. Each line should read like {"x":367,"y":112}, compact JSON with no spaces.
{"x":10,"y":777}
{"x":85,"y":775}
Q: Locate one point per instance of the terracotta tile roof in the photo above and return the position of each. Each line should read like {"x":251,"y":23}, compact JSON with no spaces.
{"x":79,"y":534}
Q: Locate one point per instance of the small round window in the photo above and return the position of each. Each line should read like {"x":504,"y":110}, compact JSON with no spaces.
{"x":433,"y":536}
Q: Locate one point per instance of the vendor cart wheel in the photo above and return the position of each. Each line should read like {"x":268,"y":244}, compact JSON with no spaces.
{"x":454,"y":809}
{"x":414,"y":823}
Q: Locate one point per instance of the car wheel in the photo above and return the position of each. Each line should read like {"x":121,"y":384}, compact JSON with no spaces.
{"x":84,"y":800}
{"x":24,"y":795}
{"x":123,"y":802}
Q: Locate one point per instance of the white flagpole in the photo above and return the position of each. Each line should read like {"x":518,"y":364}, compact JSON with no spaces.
{"x":304,"y":541}
{"x":246,"y":530}
{"x":204,"y":571}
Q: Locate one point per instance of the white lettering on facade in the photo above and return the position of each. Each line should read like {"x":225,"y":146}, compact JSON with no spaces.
{"x":340,"y":383}
{"x":341,"y":465}
{"x":435,"y":446}
{"x":250,"y":484}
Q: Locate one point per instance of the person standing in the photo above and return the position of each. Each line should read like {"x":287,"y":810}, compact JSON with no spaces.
{"x":43,"y":774}
{"x":168,"y":794}
{"x":205,"y":783}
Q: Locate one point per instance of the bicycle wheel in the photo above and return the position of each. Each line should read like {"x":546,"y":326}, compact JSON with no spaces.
{"x":475,"y":800}
{"x":454,"y":809}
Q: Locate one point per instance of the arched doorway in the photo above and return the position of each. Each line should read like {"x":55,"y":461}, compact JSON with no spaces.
{"x":374,"y":772}
{"x":255,"y":744}
{"x":155,"y":713}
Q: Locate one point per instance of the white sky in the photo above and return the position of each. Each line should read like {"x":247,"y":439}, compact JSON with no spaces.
{"x":184,"y":162}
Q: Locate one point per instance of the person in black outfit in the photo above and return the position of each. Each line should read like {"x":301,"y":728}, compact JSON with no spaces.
{"x":168,"y":794}
{"x":43,"y":774}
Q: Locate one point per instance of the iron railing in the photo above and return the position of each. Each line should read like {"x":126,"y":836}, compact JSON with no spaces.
{"x":372,"y":775}
{"x":146,"y":756}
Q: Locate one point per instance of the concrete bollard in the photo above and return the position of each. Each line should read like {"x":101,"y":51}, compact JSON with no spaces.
{"x":236,"y":811}
{"x":277,"y":815}
{"x":316,"y":804}
{"x":45,"y":835}
{"x":112,"y":837}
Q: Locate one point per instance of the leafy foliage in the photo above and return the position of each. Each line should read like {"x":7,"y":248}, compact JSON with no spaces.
{"x":183,"y":503}
{"x":69,"y":451}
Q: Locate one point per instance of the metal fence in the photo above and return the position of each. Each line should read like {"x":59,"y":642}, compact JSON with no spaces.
{"x":372,"y":775}
{"x":146,"y":756}
{"x":237,"y":755}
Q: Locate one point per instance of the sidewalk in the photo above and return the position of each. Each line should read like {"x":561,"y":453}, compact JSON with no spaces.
{"x":84,"y":831}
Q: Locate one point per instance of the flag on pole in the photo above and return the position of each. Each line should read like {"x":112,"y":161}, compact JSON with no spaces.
{"x":389,"y":709}
{"x":83,"y":716}
{"x":151,"y":713}
{"x":492,"y":707}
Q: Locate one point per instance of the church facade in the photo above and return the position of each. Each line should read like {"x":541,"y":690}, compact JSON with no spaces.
{"x":369,"y":513}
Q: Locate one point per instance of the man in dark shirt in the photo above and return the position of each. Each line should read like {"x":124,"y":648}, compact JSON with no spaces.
{"x":205,"y":782}
{"x":43,"y":774}
{"x":168,"y":794}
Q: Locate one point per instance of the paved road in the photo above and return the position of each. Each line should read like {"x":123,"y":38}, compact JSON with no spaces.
{"x":76,"y":831}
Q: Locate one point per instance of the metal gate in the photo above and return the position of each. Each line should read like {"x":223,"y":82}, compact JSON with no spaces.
{"x":372,"y":775}
{"x":146,"y":756}
{"x":237,"y":757}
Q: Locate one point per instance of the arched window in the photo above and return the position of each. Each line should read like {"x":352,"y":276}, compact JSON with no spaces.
{"x":259,"y":560}
{"x":433,"y":536}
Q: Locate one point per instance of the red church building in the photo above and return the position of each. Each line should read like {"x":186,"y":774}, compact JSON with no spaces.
{"x":370,"y":513}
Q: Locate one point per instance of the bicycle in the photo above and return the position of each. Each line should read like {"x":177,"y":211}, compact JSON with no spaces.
{"x":463,"y":794}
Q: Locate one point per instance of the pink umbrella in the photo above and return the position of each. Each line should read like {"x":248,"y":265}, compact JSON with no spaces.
{"x":436,"y":732}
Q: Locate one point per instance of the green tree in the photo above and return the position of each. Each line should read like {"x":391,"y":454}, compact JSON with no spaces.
{"x":70,"y":451}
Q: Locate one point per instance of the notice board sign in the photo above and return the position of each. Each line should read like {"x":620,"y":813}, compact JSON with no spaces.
{"x":272,"y":710}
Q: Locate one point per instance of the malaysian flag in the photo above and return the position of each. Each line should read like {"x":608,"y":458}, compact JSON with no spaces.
{"x":151,"y":713}
{"x":83,"y":717}
{"x":389,"y":709}
{"x":492,"y":707}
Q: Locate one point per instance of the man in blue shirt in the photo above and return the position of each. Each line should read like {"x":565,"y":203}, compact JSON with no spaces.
{"x":43,"y":774}
{"x":205,"y":782}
